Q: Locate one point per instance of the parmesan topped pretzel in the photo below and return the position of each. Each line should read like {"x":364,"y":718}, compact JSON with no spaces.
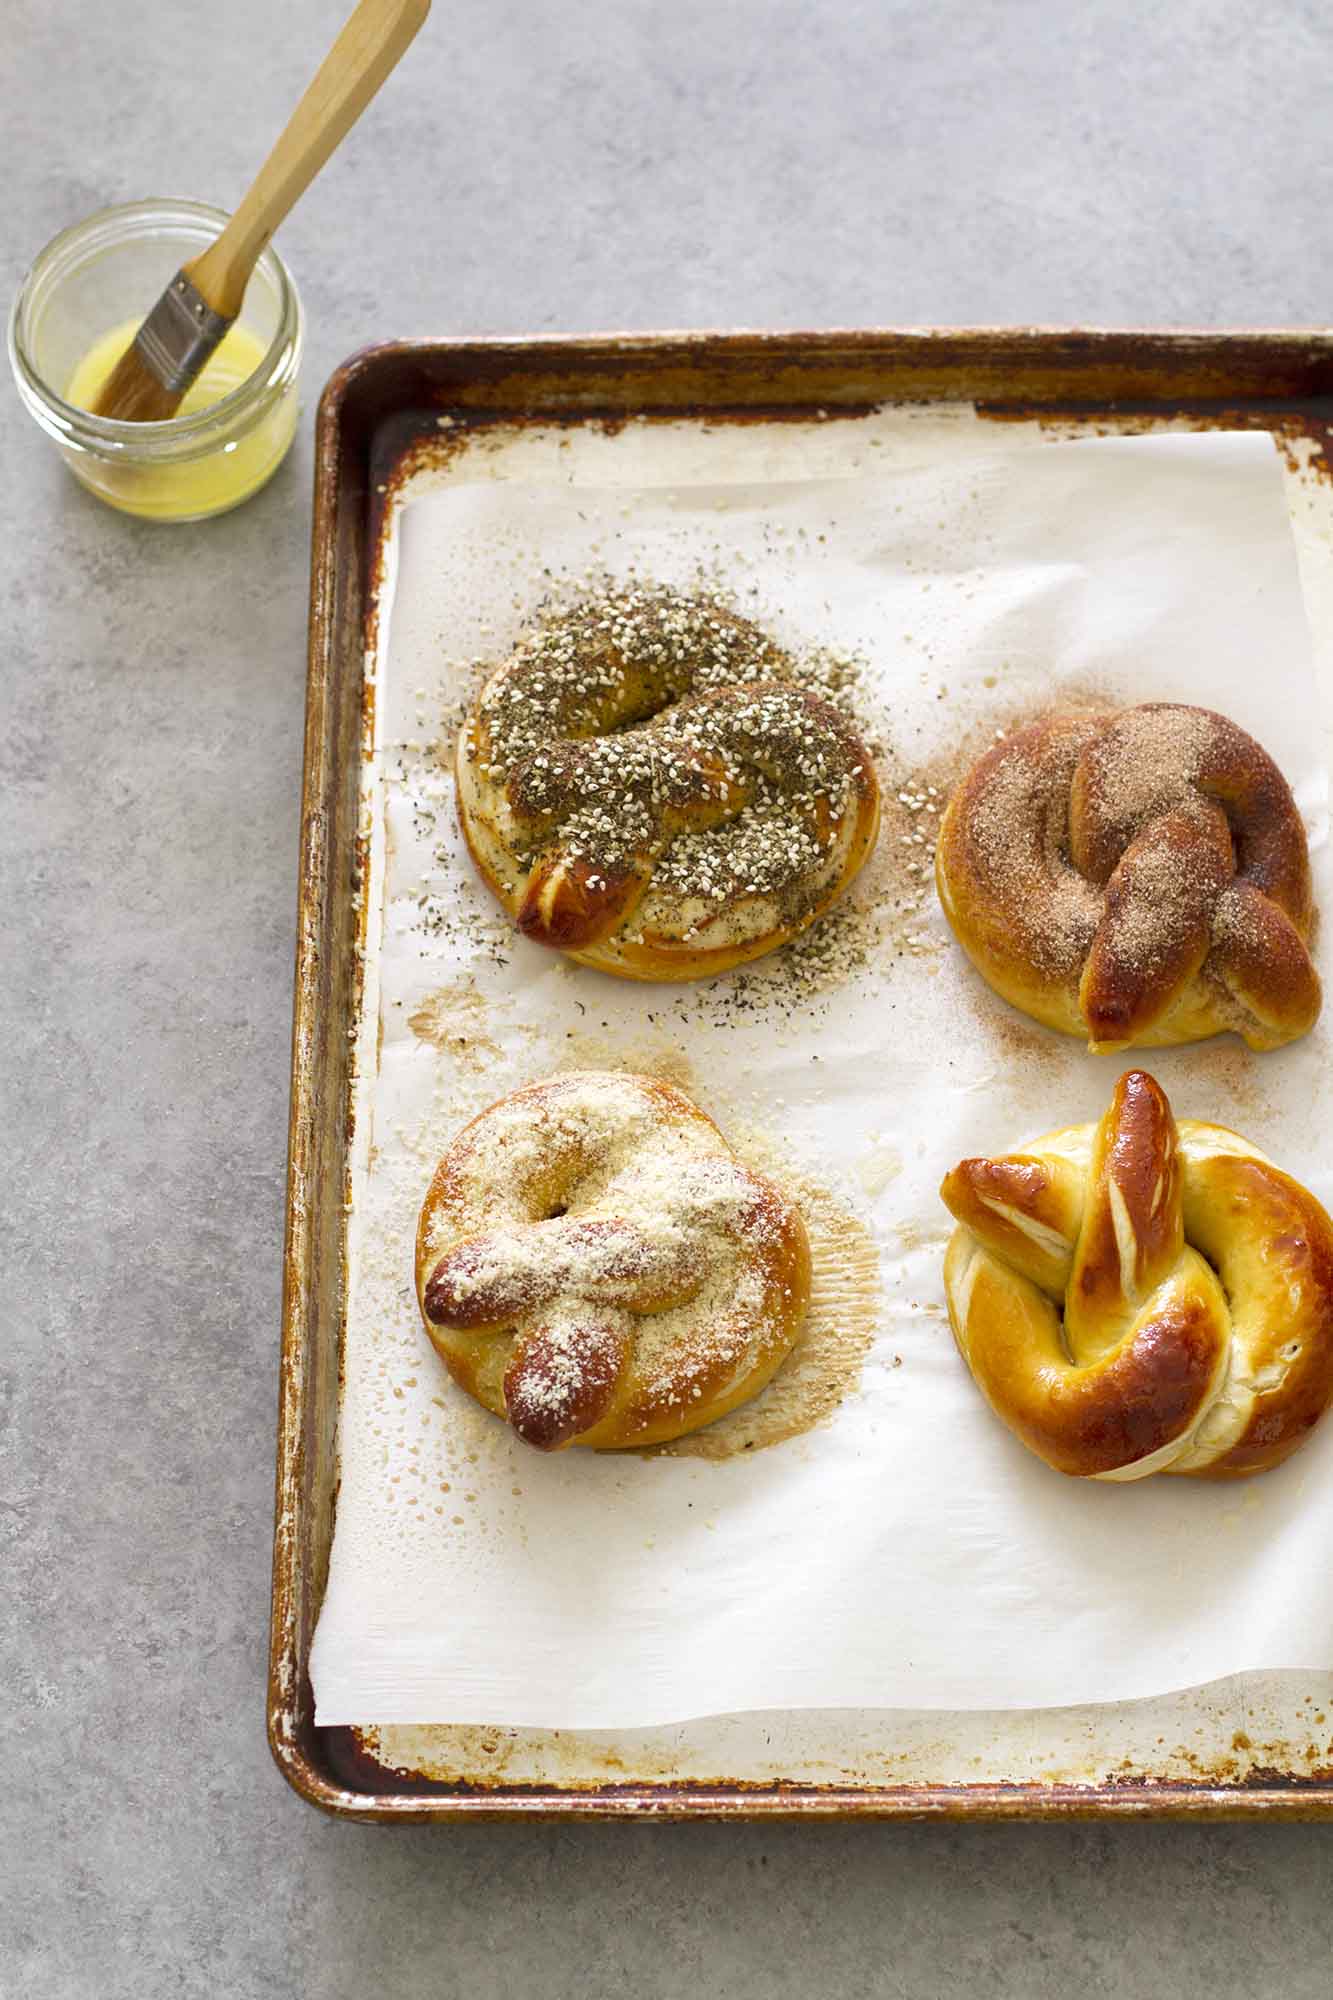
{"x":595,"y":1264}
{"x":644,"y":786}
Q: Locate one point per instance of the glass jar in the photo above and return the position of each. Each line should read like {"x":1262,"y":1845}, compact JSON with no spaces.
{"x":107,"y":272}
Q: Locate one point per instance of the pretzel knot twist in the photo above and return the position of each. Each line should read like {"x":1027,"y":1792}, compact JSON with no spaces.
{"x":644,"y":787}
{"x":1136,"y":1297}
{"x":596,"y":1265}
{"x":1139,"y":876}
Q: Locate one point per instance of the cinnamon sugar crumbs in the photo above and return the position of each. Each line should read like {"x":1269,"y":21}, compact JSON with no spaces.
{"x":1148,"y":761}
{"x":1018,"y":833}
{"x":1237,"y":923}
{"x":1172,"y":893}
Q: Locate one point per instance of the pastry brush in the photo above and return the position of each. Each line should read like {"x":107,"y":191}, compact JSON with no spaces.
{"x":185,"y":326}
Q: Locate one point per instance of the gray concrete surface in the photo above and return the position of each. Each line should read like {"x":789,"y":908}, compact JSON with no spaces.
{"x":534,"y":166}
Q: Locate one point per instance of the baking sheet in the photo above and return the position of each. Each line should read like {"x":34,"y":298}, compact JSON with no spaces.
{"x":907,"y":1569}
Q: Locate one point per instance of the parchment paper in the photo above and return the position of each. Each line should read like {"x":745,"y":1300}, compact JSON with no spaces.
{"x":907,"y":1551}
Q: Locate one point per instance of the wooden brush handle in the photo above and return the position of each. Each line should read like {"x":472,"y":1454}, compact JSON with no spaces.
{"x":352,"y":71}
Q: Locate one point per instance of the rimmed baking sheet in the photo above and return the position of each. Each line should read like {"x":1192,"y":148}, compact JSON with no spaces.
{"x":845,"y":1748}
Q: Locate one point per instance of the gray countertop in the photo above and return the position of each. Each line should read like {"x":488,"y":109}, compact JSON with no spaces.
{"x":532,"y":167}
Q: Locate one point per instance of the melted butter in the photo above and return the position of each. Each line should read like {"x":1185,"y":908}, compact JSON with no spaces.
{"x":220,"y":477}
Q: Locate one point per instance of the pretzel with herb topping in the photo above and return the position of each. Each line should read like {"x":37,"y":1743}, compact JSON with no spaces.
{"x":645,"y":787}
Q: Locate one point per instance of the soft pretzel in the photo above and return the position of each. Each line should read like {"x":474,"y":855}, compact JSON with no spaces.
{"x":1134,"y":876}
{"x":645,"y":788}
{"x":1136,"y":1296}
{"x":595,"y":1264}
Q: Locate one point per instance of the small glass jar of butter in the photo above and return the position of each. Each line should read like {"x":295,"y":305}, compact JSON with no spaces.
{"x":80,"y":306}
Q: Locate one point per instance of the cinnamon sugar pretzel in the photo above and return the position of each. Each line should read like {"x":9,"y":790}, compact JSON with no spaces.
{"x":1134,"y":876}
{"x":1136,"y":1297}
{"x":595,"y":1264}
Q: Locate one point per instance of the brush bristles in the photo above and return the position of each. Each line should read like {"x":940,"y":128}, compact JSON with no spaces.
{"x":132,"y":393}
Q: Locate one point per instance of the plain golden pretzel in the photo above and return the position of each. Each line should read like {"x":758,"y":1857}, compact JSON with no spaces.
{"x":1136,"y":1297}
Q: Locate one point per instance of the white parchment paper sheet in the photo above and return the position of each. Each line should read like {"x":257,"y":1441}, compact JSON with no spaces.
{"x":908,"y":1552}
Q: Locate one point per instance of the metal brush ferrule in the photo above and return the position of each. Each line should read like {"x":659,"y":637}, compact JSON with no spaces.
{"x":179,"y":334}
